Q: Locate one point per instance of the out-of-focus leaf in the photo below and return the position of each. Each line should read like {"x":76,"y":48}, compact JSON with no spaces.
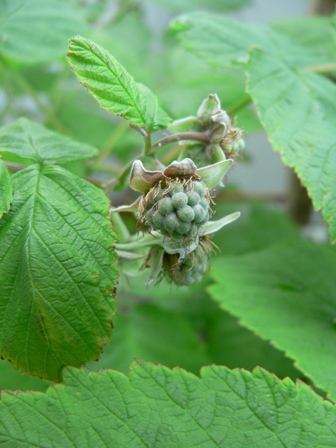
{"x":190,"y":5}
{"x":226,"y":42}
{"x":158,"y":407}
{"x":6,"y":189}
{"x":149,"y":333}
{"x":298,"y":112}
{"x":57,"y":272}
{"x":259,"y":226}
{"x":287,"y":295}
{"x":232,"y":345}
{"x":11,"y":379}
{"x":314,"y":33}
{"x":33,"y":141}
{"x":37,"y":31}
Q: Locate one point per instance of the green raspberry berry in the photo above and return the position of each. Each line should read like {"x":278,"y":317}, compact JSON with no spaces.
{"x":186,"y":214}
{"x":177,"y":187}
{"x":190,"y":270}
{"x":199,"y":213}
{"x":193,"y":198}
{"x":165,"y":206}
{"x":200,"y":188}
{"x":175,"y":209}
{"x":170,"y":223}
{"x":179,"y":200}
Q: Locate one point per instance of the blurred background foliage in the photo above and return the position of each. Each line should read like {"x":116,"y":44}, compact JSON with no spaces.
{"x":168,"y":325}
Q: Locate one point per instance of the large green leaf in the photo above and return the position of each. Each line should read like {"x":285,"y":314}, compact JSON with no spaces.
{"x":57,"y":272}
{"x":157,"y":407}
{"x":6,"y":189}
{"x":11,"y":379}
{"x":286,"y":294}
{"x":189,"y":5}
{"x":314,"y":32}
{"x":298,"y":111}
{"x":232,"y":345}
{"x":258,"y":226}
{"x":224,"y":41}
{"x":146,"y":332}
{"x":37,"y":31}
{"x":113,"y":87}
{"x":31,"y":140}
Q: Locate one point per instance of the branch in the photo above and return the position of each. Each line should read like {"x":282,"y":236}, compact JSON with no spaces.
{"x":198,"y":136}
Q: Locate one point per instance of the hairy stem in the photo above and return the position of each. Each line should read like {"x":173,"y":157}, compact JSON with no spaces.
{"x":198,"y":136}
{"x":323,"y":68}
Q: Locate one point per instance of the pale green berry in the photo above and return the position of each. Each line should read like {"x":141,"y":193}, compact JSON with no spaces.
{"x":200,"y":188}
{"x":204,"y":203}
{"x":165,"y":206}
{"x":157,"y":221}
{"x":186,"y":214}
{"x":193,"y":198}
{"x":170,"y":223}
{"x":179,"y":200}
{"x":176,"y":188}
{"x":199,"y":213}
{"x":183,"y":228}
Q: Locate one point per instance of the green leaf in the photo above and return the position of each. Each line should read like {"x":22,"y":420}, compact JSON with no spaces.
{"x":36,"y":31}
{"x":304,"y":135}
{"x":57,"y":272}
{"x":31,"y":140}
{"x":157,"y":118}
{"x":313,"y":32}
{"x":6,"y":189}
{"x":151,"y":334}
{"x":287,"y":295}
{"x":11,"y":379}
{"x":157,"y":407}
{"x":226,"y":42}
{"x":232,"y":345}
{"x":189,"y":5}
{"x":259,"y":226}
{"x":112,"y":86}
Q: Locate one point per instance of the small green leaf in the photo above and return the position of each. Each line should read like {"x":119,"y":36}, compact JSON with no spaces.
{"x":157,"y":118}
{"x":33,"y":141}
{"x":158,"y":407}
{"x":57,"y":272}
{"x":304,"y":135}
{"x":146,"y":332}
{"x":6,"y":189}
{"x":36,"y":31}
{"x":113,"y":87}
{"x":287,"y":295}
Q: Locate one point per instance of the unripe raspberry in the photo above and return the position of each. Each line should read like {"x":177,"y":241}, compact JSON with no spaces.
{"x":190,"y":270}
{"x":176,"y":208}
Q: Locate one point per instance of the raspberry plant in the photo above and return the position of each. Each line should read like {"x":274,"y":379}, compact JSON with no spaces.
{"x":136,"y":234}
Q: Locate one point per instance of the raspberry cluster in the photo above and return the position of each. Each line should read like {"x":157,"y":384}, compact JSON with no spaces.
{"x":176,"y":209}
{"x":188,"y":271}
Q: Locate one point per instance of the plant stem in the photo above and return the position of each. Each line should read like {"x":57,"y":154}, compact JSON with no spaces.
{"x":199,"y":136}
{"x":239,"y":106}
{"x":323,"y":68}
